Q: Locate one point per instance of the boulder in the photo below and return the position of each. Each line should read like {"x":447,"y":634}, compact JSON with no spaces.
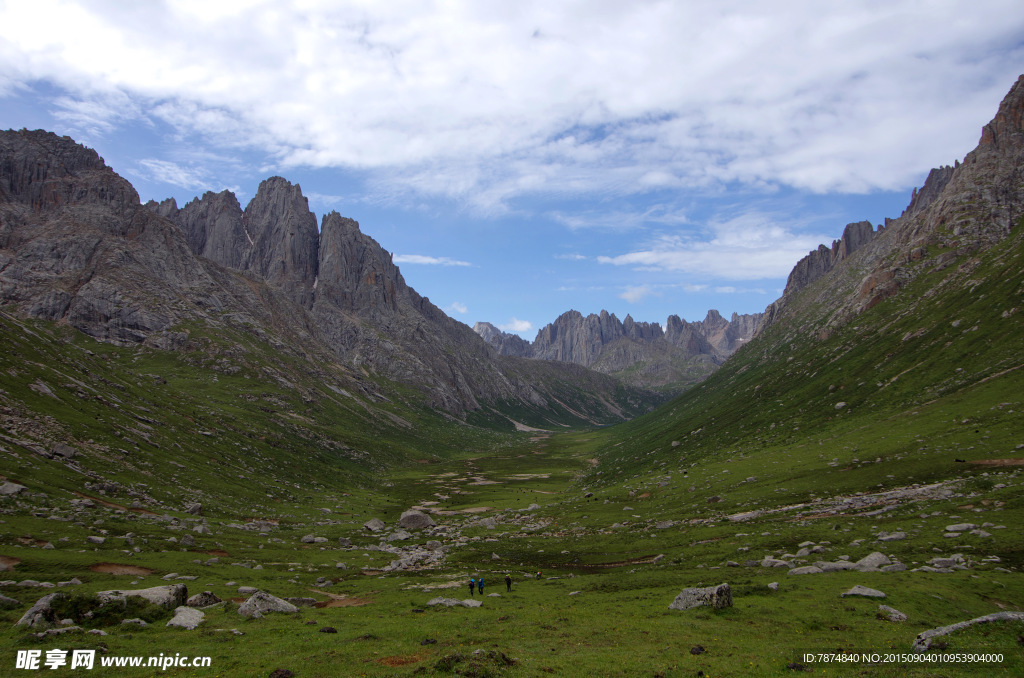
{"x":171,"y":597}
{"x":39,"y":613}
{"x":712,"y":596}
{"x":864,"y":591}
{"x":923,"y":642}
{"x":891,"y":613}
{"x":961,"y":527}
{"x":204,"y":599}
{"x":415,"y":520}
{"x":261,"y":603}
{"x":810,"y":569}
{"x":8,"y":603}
{"x":375,"y":525}
{"x":187,"y":618}
{"x":9,"y":488}
{"x":308,"y":539}
{"x":453,"y":602}
{"x":872,"y":561}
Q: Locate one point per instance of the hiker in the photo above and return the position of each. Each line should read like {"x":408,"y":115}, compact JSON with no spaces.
{"x":480,"y":586}
{"x":472,"y":585}
{"x":508,"y":583}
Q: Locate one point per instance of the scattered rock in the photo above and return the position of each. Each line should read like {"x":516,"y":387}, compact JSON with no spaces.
{"x":890,"y":613}
{"x":374,"y":525}
{"x":204,"y":599}
{"x":415,"y":520}
{"x":187,"y":618}
{"x":9,"y":488}
{"x":864,"y":591}
{"x":872,"y":561}
{"x":38,"y":613}
{"x":809,"y":569}
{"x":260,"y":603}
{"x":95,"y":539}
{"x":171,"y":597}
{"x":774,"y":586}
{"x":453,"y":602}
{"x":961,"y":527}
{"x":344,"y":542}
{"x":924,"y":639}
{"x":697,"y":649}
{"x":328,"y":629}
{"x":712,"y":596}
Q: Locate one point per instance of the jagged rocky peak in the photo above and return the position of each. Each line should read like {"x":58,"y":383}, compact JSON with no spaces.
{"x":505,"y":343}
{"x":820,"y":261}
{"x":44,"y":170}
{"x":213,"y":228}
{"x":285,"y":239}
{"x":356,"y":274}
{"x":1007,"y":127}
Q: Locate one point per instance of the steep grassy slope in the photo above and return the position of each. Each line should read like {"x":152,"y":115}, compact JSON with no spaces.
{"x":933,"y":373}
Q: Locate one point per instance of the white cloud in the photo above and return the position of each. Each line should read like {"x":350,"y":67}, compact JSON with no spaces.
{"x":457,"y":307}
{"x":484,"y":103}
{"x":174,"y":174}
{"x":571,"y":257}
{"x":636,"y":293}
{"x":428,"y":261}
{"x":750,"y":246}
{"x":516,"y":325}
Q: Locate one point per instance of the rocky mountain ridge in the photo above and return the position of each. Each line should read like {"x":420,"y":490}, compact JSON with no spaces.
{"x":77,"y":247}
{"x":961,"y":208}
{"x":648,"y":354}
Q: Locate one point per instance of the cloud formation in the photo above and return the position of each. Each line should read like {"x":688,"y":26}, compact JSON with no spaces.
{"x":428,"y":261}
{"x":750,"y":246}
{"x":516,"y":325}
{"x":485,"y":103}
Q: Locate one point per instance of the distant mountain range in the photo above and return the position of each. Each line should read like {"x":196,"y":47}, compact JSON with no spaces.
{"x":643,"y":354}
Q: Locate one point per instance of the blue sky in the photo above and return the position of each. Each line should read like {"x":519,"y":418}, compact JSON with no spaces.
{"x":523,"y":159}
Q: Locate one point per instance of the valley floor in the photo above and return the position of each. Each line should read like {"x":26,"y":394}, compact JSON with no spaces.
{"x":594,"y":571}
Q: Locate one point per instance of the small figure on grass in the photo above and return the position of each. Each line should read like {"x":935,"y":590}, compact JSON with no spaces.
{"x":508,"y":582}
{"x":480,"y":586}
{"x":472,"y":586}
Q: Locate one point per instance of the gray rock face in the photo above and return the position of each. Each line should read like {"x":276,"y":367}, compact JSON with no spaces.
{"x":171,"y":597}
{"x":415,"y":520}
{"x":712,"y":596}
{"x":261,"y":603}
{"x":187,"y":618}
{"x":602,"y":342}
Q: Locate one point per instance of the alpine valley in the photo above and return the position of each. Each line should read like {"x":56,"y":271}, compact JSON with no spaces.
{"x":236,"y":434}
